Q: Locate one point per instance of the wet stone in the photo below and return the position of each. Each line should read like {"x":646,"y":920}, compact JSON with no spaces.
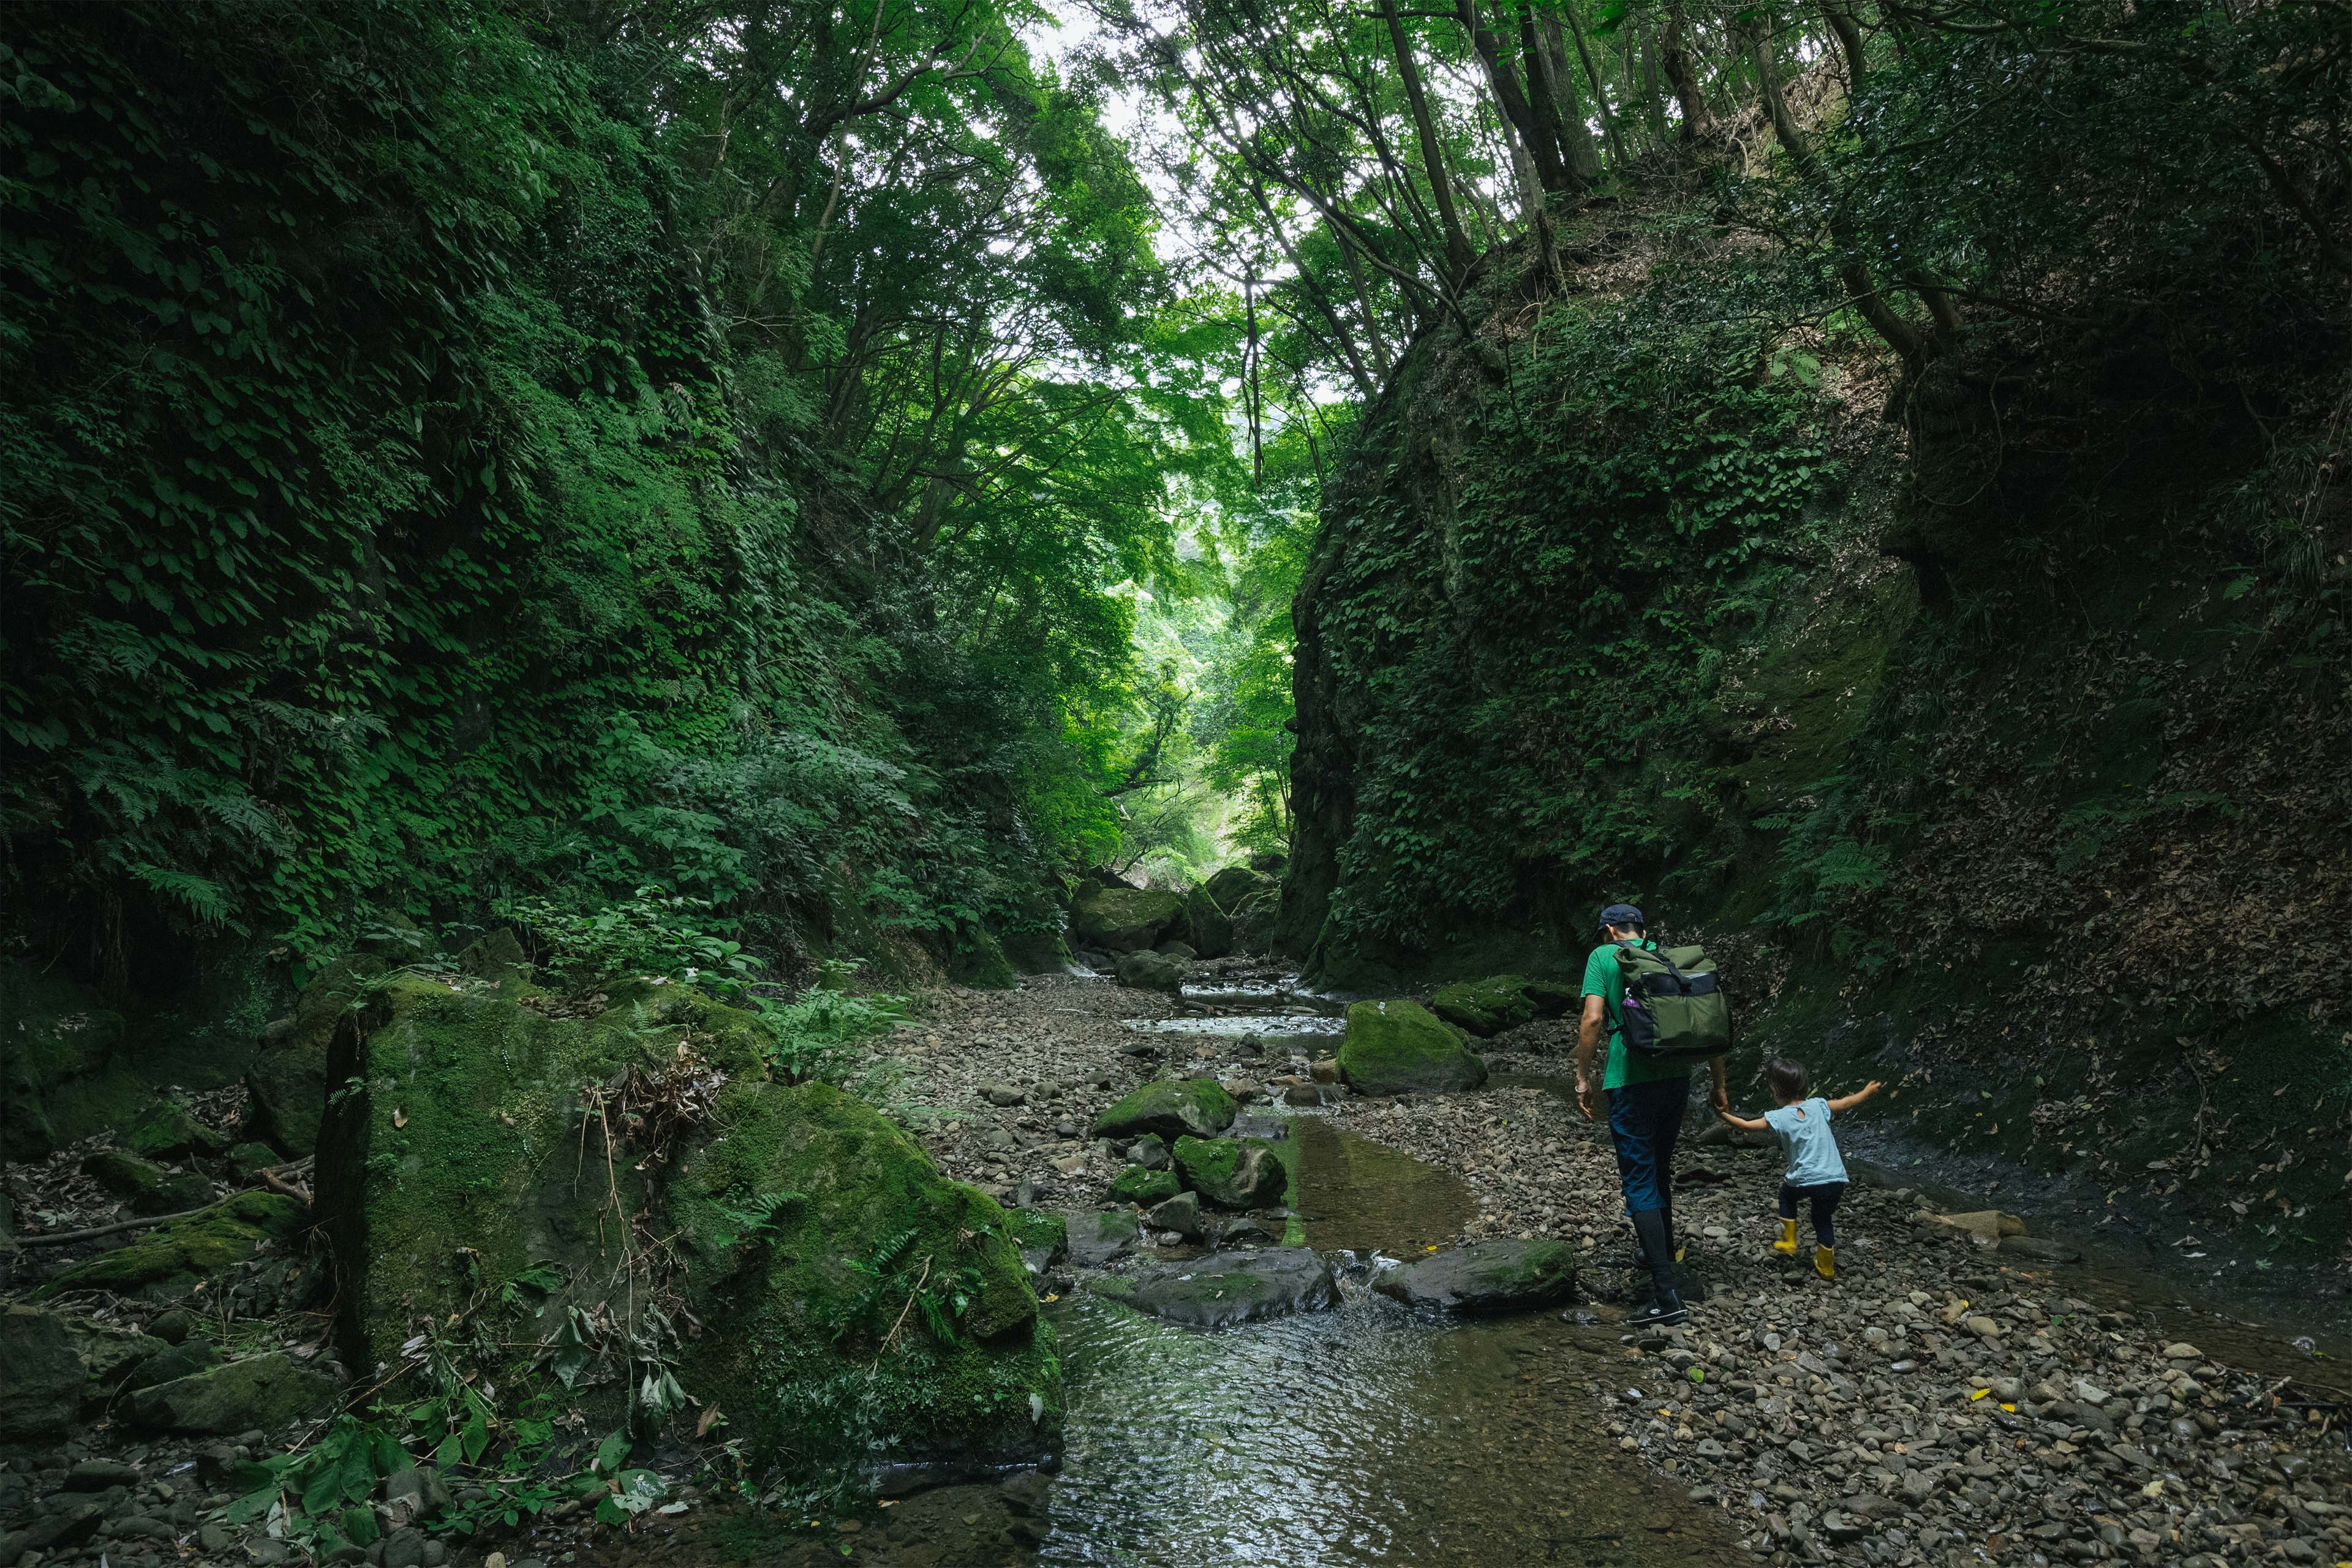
{"x":1486,"y":1277}
{"x":1229,"y":1289}
{"x":1098,"y":1237}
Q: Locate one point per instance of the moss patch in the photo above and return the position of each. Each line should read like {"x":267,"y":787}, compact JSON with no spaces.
{"x":1232,"y":1172}
{"x":173,"y":1259}
{"x":1124,"y":920}
{"x":1139,"y":1185}
{"x":1171,"y":1108}
{"x":1484,"y":1007}
{"x":1400,"y":1048}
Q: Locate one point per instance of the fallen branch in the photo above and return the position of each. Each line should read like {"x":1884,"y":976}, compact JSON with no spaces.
{"x":61,"y":1238}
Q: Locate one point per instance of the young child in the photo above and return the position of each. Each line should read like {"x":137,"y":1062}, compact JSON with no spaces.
{"x":1816,"y":1173}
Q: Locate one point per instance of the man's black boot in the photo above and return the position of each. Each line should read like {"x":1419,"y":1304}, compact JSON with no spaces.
{"x":1665,"y":1305}
{"x":1642,"y":1248}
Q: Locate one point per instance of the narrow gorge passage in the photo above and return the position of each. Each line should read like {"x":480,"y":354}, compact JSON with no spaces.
{"x":793,"y":781}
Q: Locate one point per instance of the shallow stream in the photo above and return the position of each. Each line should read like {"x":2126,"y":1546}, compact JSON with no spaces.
{"x":1367,"y":1435}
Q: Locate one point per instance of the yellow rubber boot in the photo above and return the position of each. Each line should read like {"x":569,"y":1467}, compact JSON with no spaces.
{"x":1788,"y":1242}
{"x":1825,"y":1262}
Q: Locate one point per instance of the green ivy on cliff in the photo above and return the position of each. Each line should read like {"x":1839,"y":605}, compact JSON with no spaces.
{"x":413,"y":505}
{"x":1537,"y":601}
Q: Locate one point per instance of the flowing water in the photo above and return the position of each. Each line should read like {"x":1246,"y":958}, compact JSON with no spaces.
{"x":1362,"y":1436}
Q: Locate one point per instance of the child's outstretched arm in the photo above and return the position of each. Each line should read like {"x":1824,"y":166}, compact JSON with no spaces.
{"x":1759,"y":1125}
{"x":1848,"y":1102}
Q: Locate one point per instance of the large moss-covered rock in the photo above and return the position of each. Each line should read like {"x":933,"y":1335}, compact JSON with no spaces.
{"x":819,"y":1245}
{"x":64,"y":1073}
{"x":122,"y":1173}
{"x":53,"y":1364}
{"x":1211,"y":933}
{"x":174,"y":1259}
{"x":819,"y":1355}
{"x":166,"y":1130}
{"x":286,"y":1083}
{"x":1232,"y":1172}
{"x":1400,"y":1048}
{"x":1171,"y":1108}
{"x":1152,"y":972}
{"x":1124,"y":920}
{"x":260,"y":1392}
{"x":978,"y":959}
{"x":1484,"y":1007}
{"x":41,"y":1370}
{"x":1234,"y":885}
{"x":1486,"y":1277}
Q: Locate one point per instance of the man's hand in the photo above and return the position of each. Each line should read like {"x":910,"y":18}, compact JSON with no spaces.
{"x":1587,"y":1098}
{"x":1719,"y":1096}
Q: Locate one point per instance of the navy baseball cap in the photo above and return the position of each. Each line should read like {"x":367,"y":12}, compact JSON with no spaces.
{"x":1623,"y":915}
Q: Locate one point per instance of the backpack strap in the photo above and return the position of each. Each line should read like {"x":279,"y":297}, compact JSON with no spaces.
{"x":1657,"y":952}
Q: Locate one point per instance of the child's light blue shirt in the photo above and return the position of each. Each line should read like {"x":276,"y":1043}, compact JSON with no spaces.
{"x":1804,"y":1134}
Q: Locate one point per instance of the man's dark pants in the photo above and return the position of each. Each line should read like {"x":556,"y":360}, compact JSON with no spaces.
{"x":1644,"y":1120}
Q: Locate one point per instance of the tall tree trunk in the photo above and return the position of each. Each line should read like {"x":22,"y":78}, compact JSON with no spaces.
{"x":1458,"y":253}
{"x":1910,"y":343}
{"x":1547,"y":65}
{"x":1654,"y":95}
{"x":1682,"y":75}
{"x":1849,"y":37}
{"x":1599,"y":88}
{"x":1521,"y":131}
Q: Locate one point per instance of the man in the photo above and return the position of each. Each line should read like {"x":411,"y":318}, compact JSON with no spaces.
{"x":1646,"y":1101}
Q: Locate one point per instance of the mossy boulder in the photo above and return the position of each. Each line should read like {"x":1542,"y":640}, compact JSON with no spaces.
{"x":53,"y":1364}
{"x":1124,"y":920}
{"x":122,"y":1173}
{"x":1401,"y":1047}
{"x":1152,"y":972}
{"x":1211,"y":930}
{"x":167,"y":1130}
{"x":820,"y":1356}
{"x":173,"y":1259}
{"x":260,"y":1392}
{"x":1239,"y":1287}
{"x":1042,"y":1238}
{"x":148,"y":1187}
{"x":1484,"y":1007}
{"x":1232,"y":1172}
{"x":1136,"y":1185}
{"x":1486,"y":1277}
{"x":65,"y":1073}
{"x":1170,"y":1109}
{"x":286,"y":1084}
{"x":818,"y":1246}
{"x":978,"y":959}
{"x":1234,"y":885}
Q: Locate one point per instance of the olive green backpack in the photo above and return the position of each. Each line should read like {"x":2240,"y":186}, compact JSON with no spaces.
{"x":1674,"y":1008}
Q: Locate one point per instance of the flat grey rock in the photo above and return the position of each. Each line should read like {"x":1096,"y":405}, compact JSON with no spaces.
{"x":1486,"y":1277}
{"x":1223,"y":1290}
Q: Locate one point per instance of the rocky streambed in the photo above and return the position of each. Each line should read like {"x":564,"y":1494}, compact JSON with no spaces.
{"x":1957,"y":1395}
{"x":1359,"y":1344}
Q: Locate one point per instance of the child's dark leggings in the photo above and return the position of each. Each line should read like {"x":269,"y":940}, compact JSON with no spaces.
{"x":1824,"y":1200}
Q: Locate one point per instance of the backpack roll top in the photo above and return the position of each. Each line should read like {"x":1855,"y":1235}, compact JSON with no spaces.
{"x":1675,"y":1008}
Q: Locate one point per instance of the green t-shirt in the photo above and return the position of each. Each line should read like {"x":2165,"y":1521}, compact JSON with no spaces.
{"x":1604,"y":979}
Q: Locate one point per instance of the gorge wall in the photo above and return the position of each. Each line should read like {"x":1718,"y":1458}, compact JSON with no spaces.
{"x":1993,"y":721}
